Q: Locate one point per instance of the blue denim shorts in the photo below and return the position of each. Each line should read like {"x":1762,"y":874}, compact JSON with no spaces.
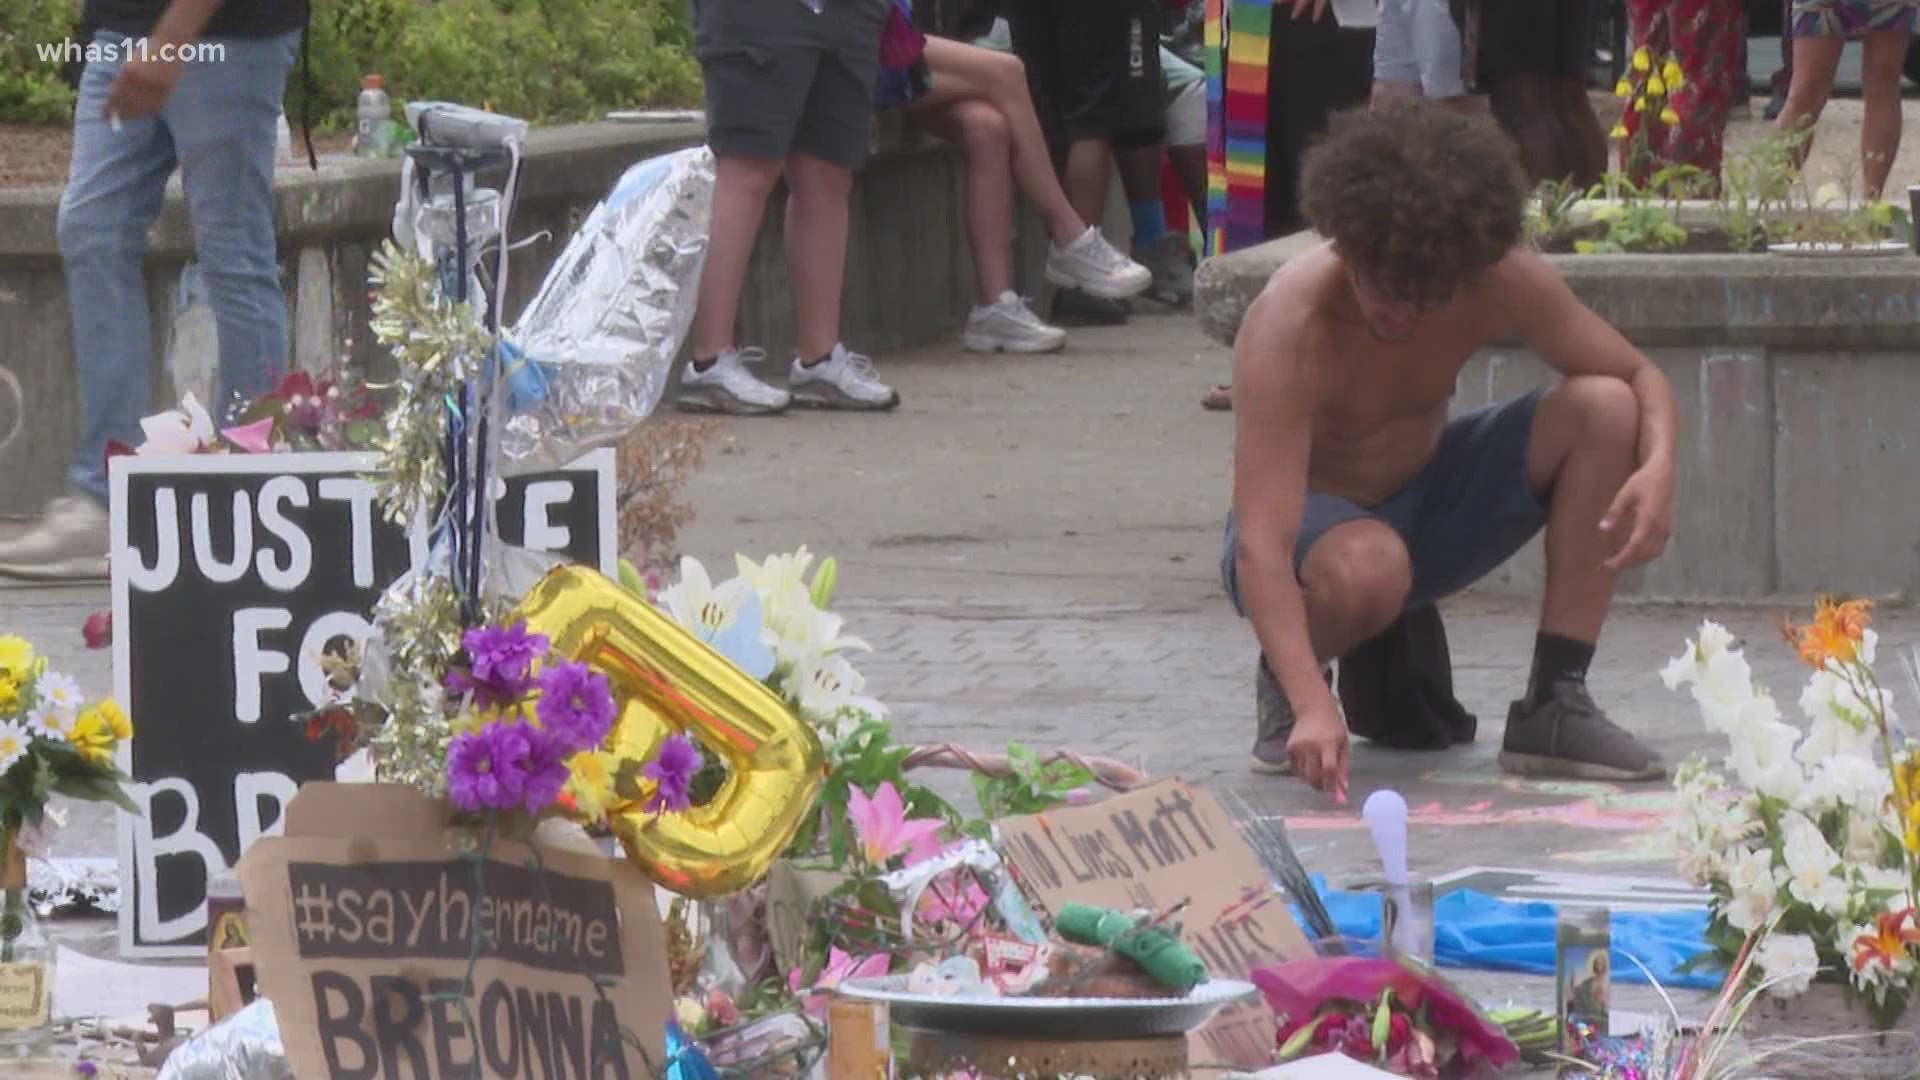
{"x":1468,"y":510}
{"x":1418,"y":43}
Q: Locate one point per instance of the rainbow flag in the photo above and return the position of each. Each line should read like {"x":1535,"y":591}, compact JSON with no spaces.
{"x":1238,"y":38}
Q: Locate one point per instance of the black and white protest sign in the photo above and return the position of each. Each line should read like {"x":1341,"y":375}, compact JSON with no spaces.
{"x":233,"y":576}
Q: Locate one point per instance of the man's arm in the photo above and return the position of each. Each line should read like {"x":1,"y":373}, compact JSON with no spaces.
{"x":145,"y":82}
{"x":1572,"y":339}
{"x":1273,"y":418}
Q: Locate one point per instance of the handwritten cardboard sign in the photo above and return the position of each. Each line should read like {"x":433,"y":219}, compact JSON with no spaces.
{"x":364,"y":916}
{"x":1153,"y":848}
{"x":234,"y":576}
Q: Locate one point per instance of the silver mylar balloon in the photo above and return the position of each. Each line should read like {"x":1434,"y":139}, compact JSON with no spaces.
{"x":591,"y":355}
{"x":244,"y":1046}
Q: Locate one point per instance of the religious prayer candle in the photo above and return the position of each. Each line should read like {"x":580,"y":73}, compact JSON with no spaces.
{"x":1583,"y":972}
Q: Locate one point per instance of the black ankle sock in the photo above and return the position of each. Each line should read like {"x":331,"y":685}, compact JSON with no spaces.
{"x":702,"y":365}
{"x":816,"y":362}
{"x":1557,"y":659}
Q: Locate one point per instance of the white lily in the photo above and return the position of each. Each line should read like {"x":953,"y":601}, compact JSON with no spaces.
{"x":1791,"y":959}
{"x":777,"y":577}
{"x":1763,"y":759}
{"x":696,"y":604}
{"x":1810,"y":869}
{"x":1750,"y":879}
{"x":186,"y":430}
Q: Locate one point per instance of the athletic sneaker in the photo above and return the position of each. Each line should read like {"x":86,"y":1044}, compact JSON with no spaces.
{"x":727,"y":387}
{"x":1273,"y":720}
{"x":845,"y":380}
{"x":68,"y":544}
{"x":1009,"y":325}
{"x":1170,"y":261}
{"x":1097,"y":268}
{"x":1566,"y":736}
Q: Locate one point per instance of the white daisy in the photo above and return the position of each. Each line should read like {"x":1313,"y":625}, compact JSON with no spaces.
{"x":13,"y":743}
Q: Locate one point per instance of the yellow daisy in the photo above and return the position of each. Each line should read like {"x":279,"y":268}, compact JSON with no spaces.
{"x":16,"y":655}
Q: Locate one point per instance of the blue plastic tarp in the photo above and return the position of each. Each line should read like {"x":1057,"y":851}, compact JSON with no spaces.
{"x":1476,"y":931}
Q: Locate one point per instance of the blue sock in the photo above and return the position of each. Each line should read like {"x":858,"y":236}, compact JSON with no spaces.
{"x":1149,"y":223}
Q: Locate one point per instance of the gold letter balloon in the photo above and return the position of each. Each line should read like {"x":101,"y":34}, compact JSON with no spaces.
{"x":665,"y":680}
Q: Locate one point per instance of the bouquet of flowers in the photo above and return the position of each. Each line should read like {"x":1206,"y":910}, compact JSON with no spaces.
{"x":1384,"y":1011}
{"x":1811,"y":838}
{"x":53,"y":741}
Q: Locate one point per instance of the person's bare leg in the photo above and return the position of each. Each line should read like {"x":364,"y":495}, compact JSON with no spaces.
{"x":816,"y":248}
{"x":1880,"y":75}
{"x":1354,"y":580}
{"x":1190,"y":165}
{"x":982,"y":133}
{"x":1383,"y":91}
{"x":1815,"y":60}
{"x":1585,"y":439}
{"x":1089,"y":163}
{"x":963,"y":72}
{"x":1139,"y":169}
{"x":1583,"y":141}
{"x":740,"y":190}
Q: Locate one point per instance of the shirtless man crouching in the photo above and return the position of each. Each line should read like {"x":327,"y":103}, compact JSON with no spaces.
{"x":1355,"y":498}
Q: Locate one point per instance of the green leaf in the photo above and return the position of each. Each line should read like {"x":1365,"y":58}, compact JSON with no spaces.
{"x":1586,"y":247}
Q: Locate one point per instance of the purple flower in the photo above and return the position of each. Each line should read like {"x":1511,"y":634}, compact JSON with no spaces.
{"x":500,"y":659}
{"x":546,"y":769}
{"x":672,"y":769}
{"x":575,"y":707}
{"x":487,"y":768}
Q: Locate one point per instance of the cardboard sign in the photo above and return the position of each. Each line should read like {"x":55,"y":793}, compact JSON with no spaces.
{"x":233,"y":576}
{"x":365,"y":913}
{"x":1153,"y":848}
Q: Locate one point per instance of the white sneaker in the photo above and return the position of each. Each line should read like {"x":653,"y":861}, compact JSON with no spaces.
{"x":69,"y":544}
{"x":1097,"y":268}
{"x":1009,"y":325}
{"x":845,"y":380}
{"x":727,"y":387}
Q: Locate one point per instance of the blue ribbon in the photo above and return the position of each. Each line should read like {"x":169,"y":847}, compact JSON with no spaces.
{"x":684,"y":1059}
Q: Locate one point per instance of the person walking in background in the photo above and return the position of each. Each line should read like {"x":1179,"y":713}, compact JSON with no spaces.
{"x":1094,"y":66}
{"x":978,"y":99}
{"x":789,"y":92}
{"x":1703,"y":40}
{"x":1821,"y":29}
{"x":1416,"y":53}
{"x":203,"y":95}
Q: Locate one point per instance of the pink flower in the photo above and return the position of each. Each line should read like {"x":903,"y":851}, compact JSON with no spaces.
{"x":97,"y":631}
{"x":953,"y":897}
{"x":254,"y":438}
{"x":882,"y":826}
{"x":721,"y":1008}
{"x":1301,"y":987}
{"x":840,"y":967}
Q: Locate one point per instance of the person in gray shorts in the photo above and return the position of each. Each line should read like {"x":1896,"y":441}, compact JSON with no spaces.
{"x":1416,"y":51}
{"x":789,"y":93}
{"x":1356,"y":498}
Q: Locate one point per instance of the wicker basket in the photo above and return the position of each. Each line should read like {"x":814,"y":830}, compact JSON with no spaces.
{"x":1819,"y":1035}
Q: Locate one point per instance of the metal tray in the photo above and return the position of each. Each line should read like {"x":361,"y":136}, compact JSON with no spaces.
{"x":1049,"y":1018}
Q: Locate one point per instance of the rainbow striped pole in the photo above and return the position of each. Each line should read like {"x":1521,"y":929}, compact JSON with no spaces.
{"x":1238,"y":47}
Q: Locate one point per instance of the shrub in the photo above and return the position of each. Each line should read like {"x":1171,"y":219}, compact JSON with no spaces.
{"x":546,"y":61}
{"x":34,"y":89}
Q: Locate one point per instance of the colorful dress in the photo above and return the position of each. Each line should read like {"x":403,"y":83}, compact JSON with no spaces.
{"x":1704,"y":37}
{"x":1853,"y":18}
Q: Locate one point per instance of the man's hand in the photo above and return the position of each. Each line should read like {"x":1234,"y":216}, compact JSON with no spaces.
{"x":1645,"y":500}
{"x":1318,"y":749}
{"x":1312,"y":8}
{"x":142,"y":88}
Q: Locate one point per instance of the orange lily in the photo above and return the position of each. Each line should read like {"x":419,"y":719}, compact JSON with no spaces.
{"x":1889,"y":941}
{"x":1835,"y":634}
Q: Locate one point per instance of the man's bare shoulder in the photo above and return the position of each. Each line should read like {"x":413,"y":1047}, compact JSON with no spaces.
{"x":1297,"y":296}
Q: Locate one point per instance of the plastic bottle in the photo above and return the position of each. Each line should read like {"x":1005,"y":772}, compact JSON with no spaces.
{"x":374,"y":113}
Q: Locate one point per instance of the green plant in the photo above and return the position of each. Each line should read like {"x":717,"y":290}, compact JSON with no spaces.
{"x":33,"y":86}
{"x":1034,"y":788}
{"x":1637,"y":226}
{"x":1755,"y":191}
{"x":1548,"y":214}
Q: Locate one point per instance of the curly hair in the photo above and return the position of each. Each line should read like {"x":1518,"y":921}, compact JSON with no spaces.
{"x":1418,"y":198}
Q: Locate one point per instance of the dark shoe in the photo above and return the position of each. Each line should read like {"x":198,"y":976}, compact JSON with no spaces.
{"x":1218,"y":399}
{"x":1774,"y":105}
{"x":1566,"y":736}
{"x":1273,"y":718}
{"x":1071,"y":307}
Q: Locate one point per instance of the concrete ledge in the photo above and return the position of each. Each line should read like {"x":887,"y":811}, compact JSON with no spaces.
{"x":909,"y":275}
{"x":1795,"y":380}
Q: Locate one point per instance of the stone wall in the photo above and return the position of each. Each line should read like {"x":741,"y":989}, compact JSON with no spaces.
{"x":909,"y":272}
{"x":1796,"y":381}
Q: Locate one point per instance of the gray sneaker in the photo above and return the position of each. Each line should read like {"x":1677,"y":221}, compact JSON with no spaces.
{"x":845,"y":380}
{"x":1567,"y":736}
{"x":68,"y":544}
{"x":1273,"y":719}
{"x":1171,"y":261}
{"x":727,"y":387}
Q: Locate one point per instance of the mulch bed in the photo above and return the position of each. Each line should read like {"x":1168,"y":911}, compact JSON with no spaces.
{"x":37,"y":154}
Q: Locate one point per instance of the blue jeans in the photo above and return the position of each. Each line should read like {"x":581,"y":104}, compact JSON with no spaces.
{"x":219,"y":127}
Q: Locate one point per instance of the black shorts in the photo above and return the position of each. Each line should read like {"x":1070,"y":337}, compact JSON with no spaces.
{"x":1094,"y":66}
{"x":1466,"y":512}
{"x":1532,"y":37}
{"x":782,"y":80}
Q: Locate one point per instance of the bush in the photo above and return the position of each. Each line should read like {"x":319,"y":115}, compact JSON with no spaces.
{"x":34,"y":89}
{"x":546,"y":61}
